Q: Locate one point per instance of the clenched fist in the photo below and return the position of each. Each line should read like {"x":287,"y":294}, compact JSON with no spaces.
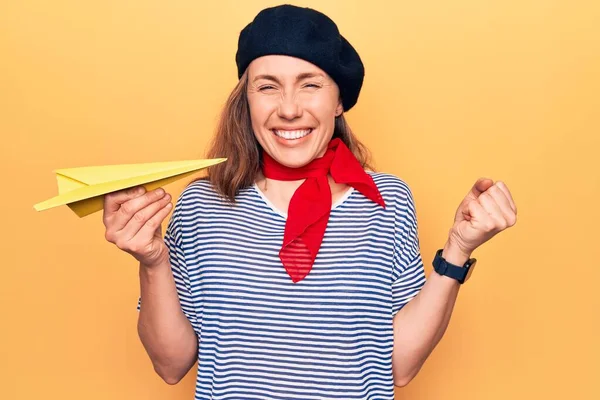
{"x":487,"y":210}
{"x":133,"y":219}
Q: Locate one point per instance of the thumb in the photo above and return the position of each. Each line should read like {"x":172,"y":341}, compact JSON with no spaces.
{"x":479,"y":187}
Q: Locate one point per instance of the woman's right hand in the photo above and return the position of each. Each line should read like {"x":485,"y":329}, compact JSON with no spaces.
{"x":133,"y":221}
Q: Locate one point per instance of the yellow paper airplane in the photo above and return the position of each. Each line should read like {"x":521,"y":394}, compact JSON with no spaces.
{"x":83,"y":189}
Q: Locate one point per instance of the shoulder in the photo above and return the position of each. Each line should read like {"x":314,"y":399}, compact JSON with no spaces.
{"x":200,"y":189}
{"x":202,"y":194}
{"x":398,"y":198}
{"x":393,"y":188}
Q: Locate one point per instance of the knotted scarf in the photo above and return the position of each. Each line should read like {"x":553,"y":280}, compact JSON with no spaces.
{"x":310,"y":205}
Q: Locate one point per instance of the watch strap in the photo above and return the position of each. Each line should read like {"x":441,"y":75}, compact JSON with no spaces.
{"x":443,"y":267}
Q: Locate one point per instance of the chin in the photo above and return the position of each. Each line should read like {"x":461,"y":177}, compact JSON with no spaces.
{"x":296,"y":153}
{"x":291,"y":160}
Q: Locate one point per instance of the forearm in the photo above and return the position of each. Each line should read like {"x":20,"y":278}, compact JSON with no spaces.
{"x":165,"y":332}
{"x":421,"y":324}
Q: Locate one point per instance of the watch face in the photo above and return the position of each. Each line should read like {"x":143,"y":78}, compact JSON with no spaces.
{"x":471,"y":268}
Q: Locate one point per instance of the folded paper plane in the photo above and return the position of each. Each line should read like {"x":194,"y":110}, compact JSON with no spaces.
{"x":83,"y":189}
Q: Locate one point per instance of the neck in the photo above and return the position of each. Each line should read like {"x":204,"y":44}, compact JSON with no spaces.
{"x":281,"y":192}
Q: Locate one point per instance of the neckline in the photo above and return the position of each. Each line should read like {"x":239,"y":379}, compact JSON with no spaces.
{"x":268,"y":202}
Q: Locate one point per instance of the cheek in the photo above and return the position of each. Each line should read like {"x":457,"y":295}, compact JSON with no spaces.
{"x":323,"y":108}
{"x":259,"y":114}
{"x":325,"y":102}
{"x":260,"y":109}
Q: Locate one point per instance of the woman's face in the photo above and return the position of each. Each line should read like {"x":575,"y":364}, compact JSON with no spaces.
{"x":293,"y":105}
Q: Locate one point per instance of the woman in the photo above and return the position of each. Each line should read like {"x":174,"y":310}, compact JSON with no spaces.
{"x":293,"y":271}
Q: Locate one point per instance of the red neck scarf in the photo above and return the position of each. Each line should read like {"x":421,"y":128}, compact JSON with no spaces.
{"x":310,"y":206}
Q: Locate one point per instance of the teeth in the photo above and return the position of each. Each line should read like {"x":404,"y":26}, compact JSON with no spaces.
{"x":291,"y":135}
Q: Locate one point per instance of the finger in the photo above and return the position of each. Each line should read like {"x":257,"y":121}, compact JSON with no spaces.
{"x":504,"y":188}
{"x":155,"y":222}
{"x":141,"y":217}
{"x":113,"y":200}
{"x":128,"y":209}
{"x":500,"y":198}
{"x":493,"y":209}
{"x":477,"y":214}
{"x":478,"y":188}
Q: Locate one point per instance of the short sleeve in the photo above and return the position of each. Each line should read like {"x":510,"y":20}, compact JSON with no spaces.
{"x":174,"y":241}
{"x":408,"y":271}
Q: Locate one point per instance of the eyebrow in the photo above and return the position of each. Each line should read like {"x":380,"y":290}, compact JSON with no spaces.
{"x":304,"y":75}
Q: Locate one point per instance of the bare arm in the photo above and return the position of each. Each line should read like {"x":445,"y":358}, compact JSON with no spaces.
{"x":486,"y":210}
{"x":133,"y":220}
{"x":165,"y":332}
{"x":420,"y":324}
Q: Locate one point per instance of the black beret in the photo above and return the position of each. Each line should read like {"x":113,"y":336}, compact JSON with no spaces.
{"x":307,"y":34}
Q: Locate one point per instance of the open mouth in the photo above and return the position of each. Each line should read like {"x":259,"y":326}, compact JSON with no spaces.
{"x":292,"y":135}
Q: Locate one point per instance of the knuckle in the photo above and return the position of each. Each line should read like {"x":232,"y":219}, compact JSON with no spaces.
{"x":109,"y":236}
{"x":147,"y":199}
{"x":127,"y":208}
{"x":474,"y":205}
{"x":134,"y":191}
{"x":139,"y":216}
{"x":121,"y":244}
{"x":152,"y":195}
{"x":152,"y":224}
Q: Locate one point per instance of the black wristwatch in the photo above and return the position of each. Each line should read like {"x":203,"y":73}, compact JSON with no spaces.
{"x":443,"y":267}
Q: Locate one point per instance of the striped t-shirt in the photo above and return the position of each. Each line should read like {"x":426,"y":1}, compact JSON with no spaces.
{"x":261,"y":336}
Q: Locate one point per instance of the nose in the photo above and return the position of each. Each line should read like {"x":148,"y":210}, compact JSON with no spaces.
{"x":289,"y":107}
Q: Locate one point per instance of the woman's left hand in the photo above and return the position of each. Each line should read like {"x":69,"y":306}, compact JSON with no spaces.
{"x":487,"y":210}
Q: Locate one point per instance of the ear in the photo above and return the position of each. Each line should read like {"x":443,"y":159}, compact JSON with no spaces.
{"x":340,"y":108}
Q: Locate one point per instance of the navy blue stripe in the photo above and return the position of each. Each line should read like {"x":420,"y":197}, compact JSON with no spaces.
{"x":261,"y":336}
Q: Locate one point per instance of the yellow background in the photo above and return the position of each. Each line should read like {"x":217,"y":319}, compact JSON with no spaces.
{"x":454,"y":90}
